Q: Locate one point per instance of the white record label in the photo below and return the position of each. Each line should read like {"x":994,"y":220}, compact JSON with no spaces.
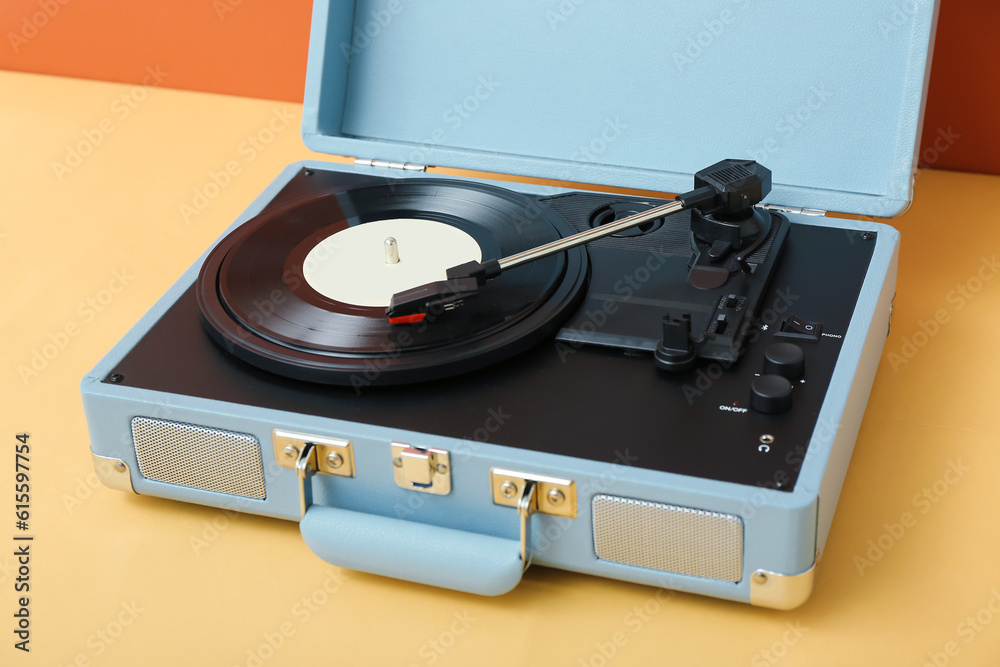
{"x":352,"y":266}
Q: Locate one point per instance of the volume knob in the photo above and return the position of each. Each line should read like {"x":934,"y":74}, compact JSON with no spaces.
{"x":784,"y":359}
{"x":770,"y":394}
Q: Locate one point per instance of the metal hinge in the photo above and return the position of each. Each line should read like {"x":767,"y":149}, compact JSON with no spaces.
{"x":555,"y":496}
{"x":531,"y":493}
{"x":372,"y":162}
{"x":332,"y":456}
{"x":790,"y":209}
{"x":311,"y":454}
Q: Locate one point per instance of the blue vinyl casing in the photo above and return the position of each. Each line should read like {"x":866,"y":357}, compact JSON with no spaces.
{"x":782,"y":531}
{"x":827,"y":95}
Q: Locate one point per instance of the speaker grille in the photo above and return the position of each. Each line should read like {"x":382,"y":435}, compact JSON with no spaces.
{"x":668,"y":538}
{"x":199,"y":457}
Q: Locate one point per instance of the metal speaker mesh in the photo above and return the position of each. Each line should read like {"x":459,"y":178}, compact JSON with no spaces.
{"x":199,"y":457}
{"x":668,"y":538}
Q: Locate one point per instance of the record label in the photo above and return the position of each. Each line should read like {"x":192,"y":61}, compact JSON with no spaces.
{"x":353,"y":265}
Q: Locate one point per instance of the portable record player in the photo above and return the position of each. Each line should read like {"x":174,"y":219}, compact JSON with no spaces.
{"x":445,"y":379}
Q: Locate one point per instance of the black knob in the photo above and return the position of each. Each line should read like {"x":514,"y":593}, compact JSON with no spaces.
{"x":784,"y":359}
{"x":770,"y":394}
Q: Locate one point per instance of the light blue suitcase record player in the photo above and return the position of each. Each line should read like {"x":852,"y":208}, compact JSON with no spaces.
{"x":384,"y":354}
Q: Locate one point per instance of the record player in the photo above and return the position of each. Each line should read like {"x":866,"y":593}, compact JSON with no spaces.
{"x":445,"y":379}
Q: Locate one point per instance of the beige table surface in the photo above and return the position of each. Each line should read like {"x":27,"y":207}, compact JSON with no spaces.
{"x":88,"y":244}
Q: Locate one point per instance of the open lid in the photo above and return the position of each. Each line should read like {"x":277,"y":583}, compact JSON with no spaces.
{"x":829,"y":95}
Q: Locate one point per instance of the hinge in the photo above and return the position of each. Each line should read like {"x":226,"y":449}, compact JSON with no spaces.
{"x":371,"y":162}
{"x":311,"y":454}
{"x":531,"y":493}
{"x":331,"y":456}
{"x":790,"y":209}
{"x":554,"y":496}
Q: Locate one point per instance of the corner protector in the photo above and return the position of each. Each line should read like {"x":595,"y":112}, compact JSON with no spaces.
{"x":113,"y":473}
{"x":781,"y":591}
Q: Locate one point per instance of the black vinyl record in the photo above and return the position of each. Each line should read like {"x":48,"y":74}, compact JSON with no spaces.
{"x":256,"y":302}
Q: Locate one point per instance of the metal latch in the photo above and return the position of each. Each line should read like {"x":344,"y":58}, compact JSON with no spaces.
{"x":531,"y":493}
{"x":426,"y":469}
{"x":311,"y":454}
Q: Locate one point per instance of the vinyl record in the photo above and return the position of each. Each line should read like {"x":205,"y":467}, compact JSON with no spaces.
{"x":301,"y":289}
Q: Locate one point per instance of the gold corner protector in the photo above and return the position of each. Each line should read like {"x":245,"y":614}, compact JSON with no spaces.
{"x":781,"y":591}
{"x":113,"y":473}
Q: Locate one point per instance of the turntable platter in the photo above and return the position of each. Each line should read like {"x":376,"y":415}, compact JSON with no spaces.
{"x":266,"y":296}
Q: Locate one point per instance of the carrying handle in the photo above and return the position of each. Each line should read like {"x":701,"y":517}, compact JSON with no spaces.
{"x":432,"y":555}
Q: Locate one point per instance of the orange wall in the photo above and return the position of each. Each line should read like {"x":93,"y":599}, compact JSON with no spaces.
{"x":257,"y":48}
{"x":964,"y":93}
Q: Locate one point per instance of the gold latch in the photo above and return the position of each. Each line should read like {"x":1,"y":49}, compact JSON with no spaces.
{"x":531,"y":493}
{"x":426,"y":469}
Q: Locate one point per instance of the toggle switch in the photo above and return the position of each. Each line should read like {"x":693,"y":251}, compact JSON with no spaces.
{"x":797,"y":327}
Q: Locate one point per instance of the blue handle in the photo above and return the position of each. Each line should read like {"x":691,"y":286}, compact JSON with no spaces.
{"x":443,"y":557}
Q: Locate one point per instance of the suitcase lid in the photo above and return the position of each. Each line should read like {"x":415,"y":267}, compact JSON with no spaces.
{"x":829,"y":96}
